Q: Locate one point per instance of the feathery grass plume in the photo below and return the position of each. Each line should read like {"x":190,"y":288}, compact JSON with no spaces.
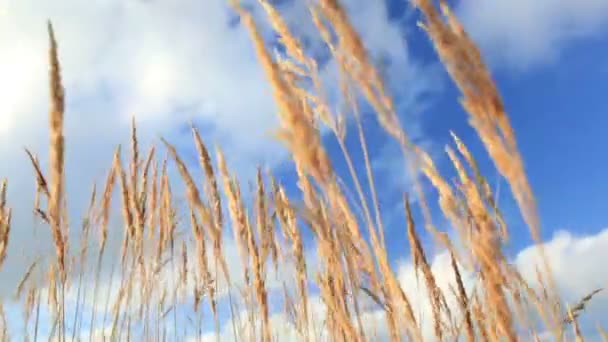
{"x":5,"y":221}
{"x":183,"y":271}
{"x":485,"y":333}
{"x":28,"y":309}
{"x":482,"y":184}
{"x":52,"y":288}
{"x":24,"y":279}
{"x":292,"y":45}
{"x":84,"y":247}
{"x":57,"y":207}
{"x":4,"y":333}
{"x":126,"y":208}
{"x":211,"y":187}
{"x":165,"y":201}
{"x":217,"y":220}
{"x":354,"y":280}
{"x":104,"y":216}
{"x":360,"y":67}
{"x":134,"y":197}
{"x":134,"y":166}
{"x":5,"y":229}
{"x":142,"y":195}
{"x":103,"y":219}
{"x":487,"y":249}
{"x":420,"y":262}
{"x":486,"y":244}
{"x":138,"y":202}
{"x":483,"y":224}
{"x":259,"y":277}
{"x":266,"y":229}
{"x":237,"y":213}
{"x":41,"y":183}
{"x":201,"y":252}
{"x":333,"y":279}
{"x":56,"y":152}
{"x":169,"y":212}
{"x":483,"y":102}
{"x":579,"y":307}
{"x":399,"y":314}
{"x":192,"y":191}
{"x":575,"y":326}
{"x":522,"y":297}
{"x":448,"y":202}
{"x":152,"y":204}
{"x":463,"y":300}
{"x":481,"y":99}
{"x":143,"y":192}
{"x":339,"y":323}
{"x":289,"y":309}
{"x":288,"y":224}
{"x":297,"y":130}
{"x":3,"y":191}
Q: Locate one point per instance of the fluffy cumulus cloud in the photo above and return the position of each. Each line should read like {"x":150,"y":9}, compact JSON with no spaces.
{"x":574,"y":263}
{"x":525,"y":33}
{"x":570,"y":257}
{"x":284,"y":329}
{"x":165,"y":63}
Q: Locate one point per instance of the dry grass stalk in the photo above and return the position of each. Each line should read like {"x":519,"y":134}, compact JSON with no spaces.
{"x":237,"y":213}
{"x":4,"y":335}
{"x":287,"y":220}
{"x":259,"y":280}
{"x":152,"y":205}
{"x":56,"y":153}
{"x":107,"y":200}
{"x":41,"y":183}
{"x":5,"y":221}
{"x":579,"y":307}
{"x":420,"y":262}
{"x":463,"y":300}
{"x":195,"y":200}
{"x":216,"y":223}
{"x":126,"y":209}
{"x":264,"y":229}
{"x":207,"y":286}
{"x":24,"y":279}
{"x":298,"y":132}
{"x":358,"y":64}
{"x":142,"y":196}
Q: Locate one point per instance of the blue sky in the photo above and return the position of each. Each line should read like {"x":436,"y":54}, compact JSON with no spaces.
{"x":190,"y":60}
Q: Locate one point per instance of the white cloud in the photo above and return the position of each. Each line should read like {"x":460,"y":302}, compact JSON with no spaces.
{"x":574,"y":261}
{"x":152,"y":58}
{"x":162,"y":62}
{"x":165,"y":63}
{"x":524,"y":33}
{"x":283,"y":329}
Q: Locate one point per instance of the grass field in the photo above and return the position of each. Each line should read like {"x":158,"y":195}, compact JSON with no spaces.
{"x":174,"y":279}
